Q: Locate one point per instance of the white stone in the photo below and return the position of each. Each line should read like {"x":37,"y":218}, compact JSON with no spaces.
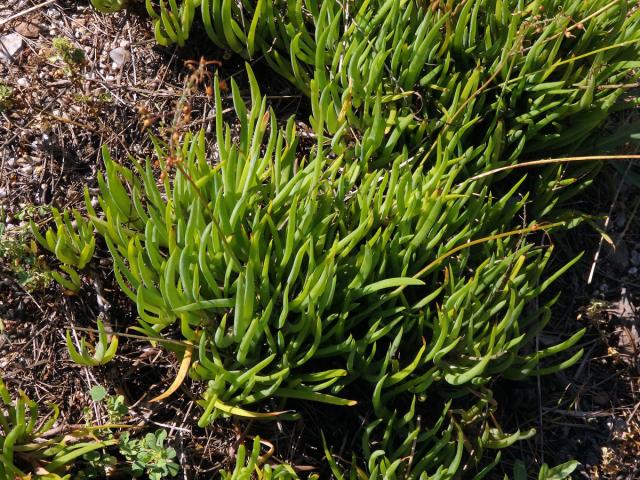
{"x":10,"y":45}
{"x":22,"y":82}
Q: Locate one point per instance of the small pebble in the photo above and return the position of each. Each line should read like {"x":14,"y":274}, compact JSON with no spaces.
{"x":22,"y":82}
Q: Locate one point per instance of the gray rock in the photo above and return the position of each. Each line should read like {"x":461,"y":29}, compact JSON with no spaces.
{"x":10,"y":45}
{"x":119,"y":56}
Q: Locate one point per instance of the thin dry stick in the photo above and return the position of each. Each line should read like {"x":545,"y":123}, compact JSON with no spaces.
{"x":521,"y":231}
{"x":579,"y":23}
{"x":547,"y":161}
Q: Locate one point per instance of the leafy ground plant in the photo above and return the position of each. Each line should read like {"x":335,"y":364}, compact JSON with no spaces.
{"x":117,"y":409}
{"x":269,"y":271}
{"x":149,"y":455}
{"x":135,"y":456}
{"x":503,"y":73}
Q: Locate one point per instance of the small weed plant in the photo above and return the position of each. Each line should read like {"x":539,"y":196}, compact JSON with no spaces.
{"x":19,"y":254}
{"x":131,"y":453}
{"x":70,"y":57}
{"x":6,"y":97}
{"x":149,"y":455}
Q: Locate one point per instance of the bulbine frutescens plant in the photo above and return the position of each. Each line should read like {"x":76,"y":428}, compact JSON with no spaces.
{"x":297,"y":277}
{"x":103,"y":351}
{"x":515,"y":75}
{"x":30,"y":443}
{"x":108,"y":6}
{"x":377,"y":262}
{"x":72,"y":242}
{"x":250,"y":464}
{"x":254,"y":465}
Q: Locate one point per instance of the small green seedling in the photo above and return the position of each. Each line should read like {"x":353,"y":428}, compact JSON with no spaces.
{"x":104,"y":350}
